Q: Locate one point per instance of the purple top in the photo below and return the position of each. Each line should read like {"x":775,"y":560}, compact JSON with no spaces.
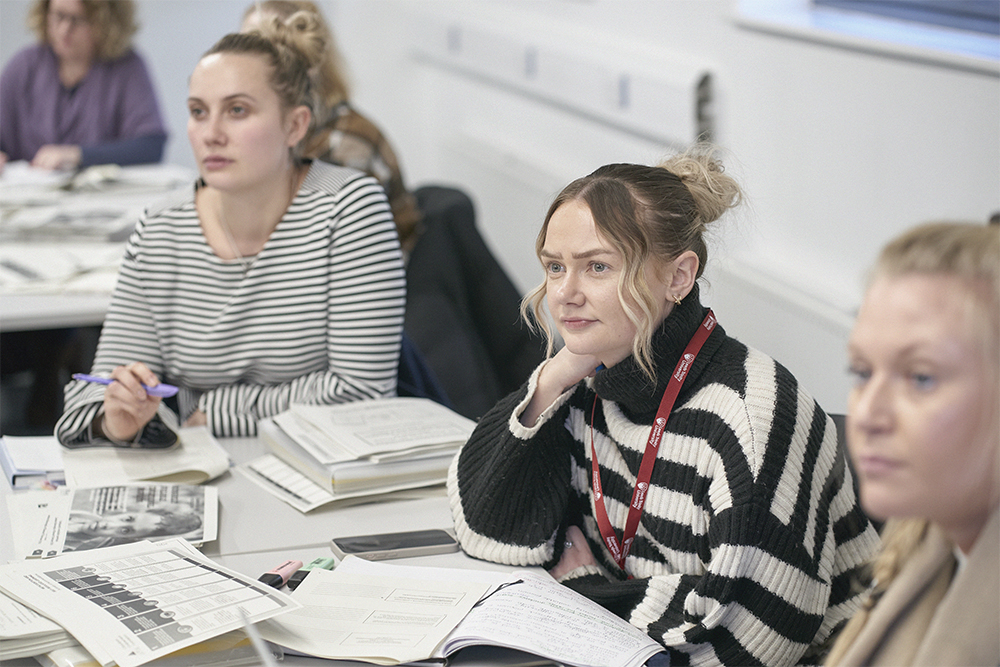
{"x":112,"y":114}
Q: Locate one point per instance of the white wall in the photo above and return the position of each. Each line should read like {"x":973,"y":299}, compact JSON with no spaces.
{"x":838,"y":148}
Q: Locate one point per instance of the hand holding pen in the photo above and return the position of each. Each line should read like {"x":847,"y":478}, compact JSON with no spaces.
{"x":129,"y":402}
{"x":161,"y":390}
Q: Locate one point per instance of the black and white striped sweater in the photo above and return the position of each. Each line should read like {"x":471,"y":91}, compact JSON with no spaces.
{"x":751,"y":533}
{"x":318,"y":317}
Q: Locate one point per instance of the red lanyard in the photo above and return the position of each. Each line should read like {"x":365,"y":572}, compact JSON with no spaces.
{"x":620,"y":550}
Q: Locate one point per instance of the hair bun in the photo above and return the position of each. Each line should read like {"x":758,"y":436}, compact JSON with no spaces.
{"x":714,"y":192}
{"x":301,"y":32}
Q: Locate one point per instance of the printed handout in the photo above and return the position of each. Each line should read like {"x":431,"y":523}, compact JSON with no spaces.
{"x":378,"y":612}
{"x":133,"y":603}
{"x":47,"y":523}
{"x":24,"y":632}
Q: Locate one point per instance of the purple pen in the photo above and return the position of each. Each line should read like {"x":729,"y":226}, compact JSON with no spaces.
{"x":160,"y":390}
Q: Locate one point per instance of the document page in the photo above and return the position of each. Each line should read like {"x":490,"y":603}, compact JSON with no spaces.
{"x":59,"y":267}
{"x":197,"y":458}
{"x":537,"y":614}
{"x":133,"y":603}
{"x":389,"y":614}
{"x":47,"y":523}
{"x":282,"y":480}
{"x":24,"y":633}
{"x":378,"y":612}
{"x":380,"y":427}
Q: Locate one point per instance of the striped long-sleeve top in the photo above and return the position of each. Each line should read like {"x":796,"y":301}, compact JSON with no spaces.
{"x":317,"y":317}
{"x":751,"y":533}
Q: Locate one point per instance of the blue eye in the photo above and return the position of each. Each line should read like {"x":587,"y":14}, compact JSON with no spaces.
{"x":599,"y":267}
{"x":553,"y":267}
{"x":923,"y":381}
{"x":859,"y":374}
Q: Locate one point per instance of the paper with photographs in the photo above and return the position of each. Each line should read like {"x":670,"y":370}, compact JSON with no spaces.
{"x":47,"y":523}
{"x":133,"y":603}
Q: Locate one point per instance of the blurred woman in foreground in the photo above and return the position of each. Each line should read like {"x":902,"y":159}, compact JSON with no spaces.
{"x":923,"y":433}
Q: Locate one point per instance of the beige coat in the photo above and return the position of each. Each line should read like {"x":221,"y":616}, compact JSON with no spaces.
{"x":928,"y":618}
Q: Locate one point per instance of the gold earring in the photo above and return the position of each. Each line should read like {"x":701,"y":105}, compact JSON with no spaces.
{"x":677,"y":300}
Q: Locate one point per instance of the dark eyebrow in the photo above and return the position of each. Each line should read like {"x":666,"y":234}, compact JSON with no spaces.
{"x":579,"y":255}
{"x":228,"y":98}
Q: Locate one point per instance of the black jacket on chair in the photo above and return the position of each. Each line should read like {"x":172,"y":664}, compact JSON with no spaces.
{"x":462,"y":310}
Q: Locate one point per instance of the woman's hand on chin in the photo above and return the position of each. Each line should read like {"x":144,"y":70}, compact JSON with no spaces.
{"x":577,"y":554}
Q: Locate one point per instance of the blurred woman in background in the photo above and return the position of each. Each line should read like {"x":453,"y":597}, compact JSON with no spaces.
{"x":82,"y":95}
{"x":79,"y":97}
{"x":343,"y":135}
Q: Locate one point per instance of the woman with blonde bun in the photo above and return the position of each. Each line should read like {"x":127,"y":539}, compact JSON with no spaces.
{"x":276,"y":280}
{"x":922,"y":428}
{"x":343,"y":136}
{"x":656,"y":465}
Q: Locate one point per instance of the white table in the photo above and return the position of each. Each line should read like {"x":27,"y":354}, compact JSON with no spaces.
{"x":30,"y":312}
{"x":252,"y":521}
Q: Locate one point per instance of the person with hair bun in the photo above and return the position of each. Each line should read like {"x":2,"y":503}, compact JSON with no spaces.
{"x":81,"y":96}
{"x":343,"y":135}
{"x":923,"y":427}
{"x":654,"y":464}
{"x":276,"y":280}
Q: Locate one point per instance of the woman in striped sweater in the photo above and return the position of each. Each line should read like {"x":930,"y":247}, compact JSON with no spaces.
{"x":276,"y":281}
{"x":724,"y":524}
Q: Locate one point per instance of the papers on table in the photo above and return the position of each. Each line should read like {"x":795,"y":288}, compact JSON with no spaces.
{"x":100,"y":202}
{"x":378,"y":612}
{"x":65,"y":232}
{"x":288,"y":484}
{"x":282,"y":480}
{"x":21,"y":184}
{"x":24,"y":632}
{"x":536,"y":614}
{"x":133,"y":603}
{"x":389,"y":614}
{"x":197,"y":458}
{"x":59,"y":267}
{"x":47,"y":523}
{"x":366,"y":447}
{"x":377,"y":430}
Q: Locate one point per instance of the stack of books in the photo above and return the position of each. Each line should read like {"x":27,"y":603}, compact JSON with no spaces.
{"x":368,"y":447}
